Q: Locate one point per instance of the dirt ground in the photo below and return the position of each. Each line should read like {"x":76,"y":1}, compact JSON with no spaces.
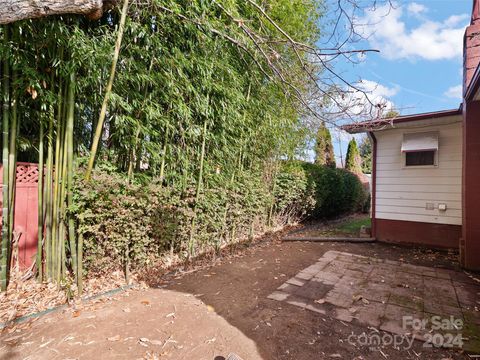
{"x":216,"y":310}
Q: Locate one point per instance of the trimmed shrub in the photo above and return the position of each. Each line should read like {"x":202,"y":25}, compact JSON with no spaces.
{"x":334,"y":192}
{"x":134,"y":225}
{"x":293,"y":197}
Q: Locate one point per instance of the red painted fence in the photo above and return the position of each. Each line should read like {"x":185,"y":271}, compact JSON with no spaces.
{"x":26,"y":211}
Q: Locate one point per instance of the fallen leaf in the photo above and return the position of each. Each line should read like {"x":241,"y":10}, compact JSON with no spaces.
{"x":46,"y":343}
{"x":13,"y":338}
{"x":357,"y":297}
{"x":145,"y":302}
{"x":114,"y":338}
{"x":76,"y":313}
{"x":209,"y":341}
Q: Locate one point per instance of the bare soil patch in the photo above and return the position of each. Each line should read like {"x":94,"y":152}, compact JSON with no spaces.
{"x":219,"y":306}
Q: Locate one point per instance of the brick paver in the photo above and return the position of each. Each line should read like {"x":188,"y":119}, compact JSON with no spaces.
{"x":384,"y":293}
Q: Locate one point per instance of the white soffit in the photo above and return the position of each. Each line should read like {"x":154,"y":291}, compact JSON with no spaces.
{"x":385,"y":126}
{"x":421,"y":141}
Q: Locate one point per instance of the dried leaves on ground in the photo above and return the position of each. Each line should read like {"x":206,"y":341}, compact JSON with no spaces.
{"x":25,"y":297}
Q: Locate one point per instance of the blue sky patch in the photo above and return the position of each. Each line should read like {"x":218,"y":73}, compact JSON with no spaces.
{"x":419,"y":67}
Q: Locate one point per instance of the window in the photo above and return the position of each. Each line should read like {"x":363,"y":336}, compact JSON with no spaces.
{"x":420,"y":149}
{"x":419,"y":158}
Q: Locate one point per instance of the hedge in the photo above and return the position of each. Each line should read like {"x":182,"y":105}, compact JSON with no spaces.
{"x":330,"y":192}
{"x":135,"y":225}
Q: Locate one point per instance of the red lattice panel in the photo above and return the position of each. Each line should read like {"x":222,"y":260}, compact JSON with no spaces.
{"x":27,"y":174}
{"x":26,"y":211}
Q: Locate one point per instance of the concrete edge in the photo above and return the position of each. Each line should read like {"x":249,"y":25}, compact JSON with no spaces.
{"x":330,"y":239}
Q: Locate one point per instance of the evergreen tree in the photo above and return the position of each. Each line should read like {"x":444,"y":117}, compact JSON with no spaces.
{"x":391,"y":114}
{"x":324,"y":154}
{"x":329,"y":153}
{"x":353,"y":161}
{"x":366,"y":155}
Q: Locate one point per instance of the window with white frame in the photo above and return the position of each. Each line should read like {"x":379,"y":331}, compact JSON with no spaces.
{"x":420,"y":149}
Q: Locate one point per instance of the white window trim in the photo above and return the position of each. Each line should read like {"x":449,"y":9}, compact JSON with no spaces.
{"x":434,"y":166}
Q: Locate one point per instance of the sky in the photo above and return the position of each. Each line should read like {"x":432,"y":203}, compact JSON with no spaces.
{"x":419,"y":66}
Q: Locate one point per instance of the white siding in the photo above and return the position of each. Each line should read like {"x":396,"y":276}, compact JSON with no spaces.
{"x":403,"y":193}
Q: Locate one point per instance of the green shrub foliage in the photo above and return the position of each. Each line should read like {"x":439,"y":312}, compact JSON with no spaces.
{"x":136,"y":224}
{"x":365,"y":150}
{"x":333,"y":191}
{"x":324,"y":154}
{"x":353,"y":160}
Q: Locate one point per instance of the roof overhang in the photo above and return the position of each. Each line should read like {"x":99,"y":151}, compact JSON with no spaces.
{"x":406,"y":121}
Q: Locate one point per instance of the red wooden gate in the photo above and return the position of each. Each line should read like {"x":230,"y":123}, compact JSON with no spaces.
{"x":25,"y":212}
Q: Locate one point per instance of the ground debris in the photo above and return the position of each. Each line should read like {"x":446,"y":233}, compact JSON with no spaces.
{"x":209,"y":341}
{"x":25,"y":297}
{"x":114,"y":338}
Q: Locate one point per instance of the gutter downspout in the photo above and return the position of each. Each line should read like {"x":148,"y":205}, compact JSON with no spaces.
{"x":373,"y":139}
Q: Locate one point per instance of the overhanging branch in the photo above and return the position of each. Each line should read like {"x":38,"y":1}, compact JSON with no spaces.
{"x":15,"y":10}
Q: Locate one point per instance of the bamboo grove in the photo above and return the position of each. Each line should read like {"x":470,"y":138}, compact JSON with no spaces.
{"x":205,"y":92}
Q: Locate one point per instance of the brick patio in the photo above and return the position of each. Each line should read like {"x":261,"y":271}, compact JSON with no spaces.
{"x":380,"y":293}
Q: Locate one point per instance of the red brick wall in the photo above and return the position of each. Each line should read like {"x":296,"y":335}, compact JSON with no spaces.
{"x":471,"y":48}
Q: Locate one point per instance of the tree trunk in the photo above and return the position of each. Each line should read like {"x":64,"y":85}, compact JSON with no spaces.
{"x":15,"y":10}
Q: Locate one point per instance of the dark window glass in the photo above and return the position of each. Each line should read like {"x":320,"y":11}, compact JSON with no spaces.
{"x":418,"y":158}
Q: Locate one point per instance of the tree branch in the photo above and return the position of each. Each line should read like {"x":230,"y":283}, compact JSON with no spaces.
{"x":15,"y":10}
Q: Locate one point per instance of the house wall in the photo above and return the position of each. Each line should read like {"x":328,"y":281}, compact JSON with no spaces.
{"x":402,"y":193}
{"x":442,"y":236}
{"x":470,"y":244}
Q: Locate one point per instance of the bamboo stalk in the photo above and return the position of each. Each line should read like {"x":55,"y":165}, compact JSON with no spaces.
{"x":12,"y":163}
{"x":11,"y":152}
{"x":62,"y":198}
{"x":164,"y":155}
{"x":40,"y":205}
{"x":80,"y":264}
{"x":49,"y":190}
{"x":69,"y":140}
{"x":132,"y":156}
{"x":5,"y":190}
{"x":197,"y":195}
{"x":108,"y":91}
{"x":57,"y":186}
